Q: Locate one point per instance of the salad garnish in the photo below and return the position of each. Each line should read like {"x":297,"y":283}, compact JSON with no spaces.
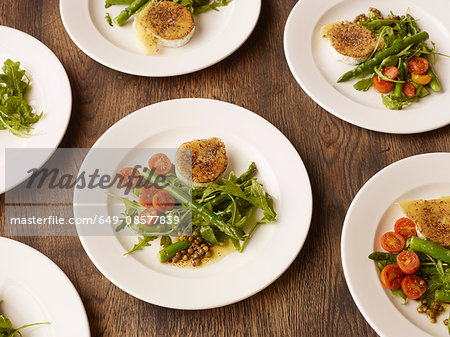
{"x":16,"y":114}
{"x":205,"y":216}
{"x":7,"y":329}
{"x":402,"y":70}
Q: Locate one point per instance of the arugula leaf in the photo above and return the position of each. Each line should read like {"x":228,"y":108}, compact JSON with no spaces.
{"x":16,"y":115}
{"x":5,"y":323}
{"x":142,"y":242}
{"x":364,"y":84}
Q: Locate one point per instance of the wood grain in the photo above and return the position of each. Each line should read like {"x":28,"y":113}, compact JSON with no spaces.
{"x":311,"y":298}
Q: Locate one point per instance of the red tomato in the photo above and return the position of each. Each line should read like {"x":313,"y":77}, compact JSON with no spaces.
{"x":146,"y":195}
{"x":130,"y":177}
{"x":391,"y":72}
{"x":392,"y":276}
{"x":408,"y":262}
{"x":161,"y":163}
{"x":392,"y":242}
{"x":409,"y":89}
{"x":418,"y":65}
{"x":382,"y":86}
{"x":405,"y":227}
{"x":148,"y":216}
{"x":163,"y":201}
{"x":413,"y":286}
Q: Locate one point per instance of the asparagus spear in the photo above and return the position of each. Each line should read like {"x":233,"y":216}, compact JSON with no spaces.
{"x":109,"y":3}
{"x":129,"y":11}
{"x":427,"y":247}
{"x":401,"y":76}
{"x":378,"y":58}
{"x":168,"y":252}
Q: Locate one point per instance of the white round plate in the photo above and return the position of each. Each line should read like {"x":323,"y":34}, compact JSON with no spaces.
{"x":49,"y":92}
{"x":35,"y":290}
{"x":372,"y":213}
{"x":217,"y":35}
{"x":317,"y":71}
{"x":270,"y":251}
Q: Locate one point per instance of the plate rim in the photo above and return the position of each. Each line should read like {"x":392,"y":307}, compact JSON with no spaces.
{"x":112,"y":239}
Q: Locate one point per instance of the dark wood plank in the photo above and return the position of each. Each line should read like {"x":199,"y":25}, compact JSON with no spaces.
{"x":311,"y":298}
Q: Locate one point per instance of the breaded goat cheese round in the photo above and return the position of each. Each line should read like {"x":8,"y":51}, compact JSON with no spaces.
{"x":201,"y":161}
{"x":170,"y":23}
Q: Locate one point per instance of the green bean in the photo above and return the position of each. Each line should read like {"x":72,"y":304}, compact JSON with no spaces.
{"x":164,"y":184}
{"x":168,"y":252}
{"x":430,"y":248}
{"x":442,"y":295}
{"x":129,"y":11}
{"x":378,"y":58}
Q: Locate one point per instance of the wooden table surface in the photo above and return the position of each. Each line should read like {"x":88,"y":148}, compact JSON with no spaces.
{"x":311,"y":298}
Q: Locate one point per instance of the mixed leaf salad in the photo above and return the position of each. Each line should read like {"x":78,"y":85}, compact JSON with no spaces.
{"x":162,"y":205}
{"x":402,"y":70}
{"x":16,"y":115}
{"x":7,"y":329}
{"x":415,"y":268}
{"x":194,"y":6}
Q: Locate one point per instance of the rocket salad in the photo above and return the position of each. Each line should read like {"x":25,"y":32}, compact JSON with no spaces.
{"x":16,"y":114}
{"x":199,"y":217}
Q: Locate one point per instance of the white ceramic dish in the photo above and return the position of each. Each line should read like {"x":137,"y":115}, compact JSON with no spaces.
{"x":50,"y":92}
{"x":218,"y":34}
{"x":315,"y":69}
{"x":248,"y":137}
{"x":34,"y":290}
{"x":372,"y":213}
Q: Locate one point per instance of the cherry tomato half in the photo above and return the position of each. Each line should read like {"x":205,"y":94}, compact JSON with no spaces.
{"x":391,"y":72}
{"x":392,"y":242}
{"x":408,"y":262}
{"x":163,"y":201}
{"x":409,"y":89}
{"x":413,"y":286}
{"x":382,"y":86}
{"x":146,"y":195}
{"x":129,"y":177}
{"x":405,"y":227}
{"x":418,"y":65}
{"x":392,"y":276}
{"x":148,"y":216}
{"x":161,"y":163}
{"x":421,"y":79}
